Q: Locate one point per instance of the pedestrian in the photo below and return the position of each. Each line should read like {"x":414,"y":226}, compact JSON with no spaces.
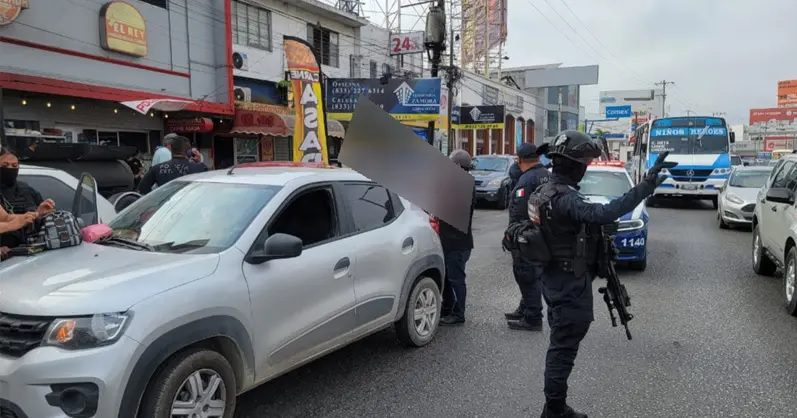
{"x":457,"y":246}
{"x":18,"y":198}
{"x":164,"y":152}
{"x":571,"y":227}
{"x":178,"y":166}
{"x":528,"y":315}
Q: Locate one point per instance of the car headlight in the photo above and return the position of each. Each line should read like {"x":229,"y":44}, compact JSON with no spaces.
{"x":718,"y":171}
{"x":85,"y":332}
{"x":631,"y":225}
{"x":734,"y":199}
{"x":495,"y":182}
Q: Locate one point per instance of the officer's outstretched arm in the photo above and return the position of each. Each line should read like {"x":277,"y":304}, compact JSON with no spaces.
{"x":582,"y":211}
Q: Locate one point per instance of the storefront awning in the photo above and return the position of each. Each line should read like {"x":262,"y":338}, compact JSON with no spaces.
{"x":335,"y":129}
{"x":253,"y":122}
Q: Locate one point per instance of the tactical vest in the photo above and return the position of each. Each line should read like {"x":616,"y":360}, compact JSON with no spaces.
{"x":20,"y":201}
{"x":574,"y":247}
{"x":518,"y":207}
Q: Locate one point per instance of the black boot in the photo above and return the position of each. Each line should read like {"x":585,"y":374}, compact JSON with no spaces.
{"x":524,"y":325}
{"x":452,"y":320}
{"x":566,"y":412}
{"x":515,"y":315}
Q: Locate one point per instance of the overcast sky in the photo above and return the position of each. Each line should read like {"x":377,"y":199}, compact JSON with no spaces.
{"x":724,"y":55}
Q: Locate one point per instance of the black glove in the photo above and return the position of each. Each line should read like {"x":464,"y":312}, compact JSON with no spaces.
{"x":653,"y":174}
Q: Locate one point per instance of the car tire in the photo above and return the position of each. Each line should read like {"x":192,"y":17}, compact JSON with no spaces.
{"x":761,"y":262}
{"x":790,"y":282}
{"x":639,"y":265}
{"x":503,"y":201}
{"x":721,"y":222}
{"x":715,"y":202}
{"x":173,"y":381}
{"x":424,"y":303}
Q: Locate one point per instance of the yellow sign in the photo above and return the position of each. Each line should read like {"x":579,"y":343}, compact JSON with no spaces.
{"x":478,"y":126}
{"x":123,"y":29}
{"x":310,"y":130}
{"x":10,"y":9}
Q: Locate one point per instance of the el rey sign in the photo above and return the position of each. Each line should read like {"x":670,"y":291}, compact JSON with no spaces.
{"x":10,"y":10}
{"x":123,"y":29}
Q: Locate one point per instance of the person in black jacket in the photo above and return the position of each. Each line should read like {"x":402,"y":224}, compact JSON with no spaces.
{"x":457,"y":247}
{"x":18,"y":198}
{"x":177,"y":167}
{"x":528,"y":315}
{"x":571,"y":227}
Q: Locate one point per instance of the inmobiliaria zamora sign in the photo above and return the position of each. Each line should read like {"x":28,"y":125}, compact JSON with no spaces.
{"x":310,"y":130}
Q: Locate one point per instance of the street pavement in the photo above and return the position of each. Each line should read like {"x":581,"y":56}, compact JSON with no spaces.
{"x":711,"y":339}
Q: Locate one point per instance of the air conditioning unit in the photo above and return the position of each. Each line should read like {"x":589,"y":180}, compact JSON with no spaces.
{"x":240,"y":61}
{"x":242,"y":94}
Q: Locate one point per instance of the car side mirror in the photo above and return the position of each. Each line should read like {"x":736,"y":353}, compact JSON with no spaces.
{"x":277,"y":247}
{"x":780,"y":195}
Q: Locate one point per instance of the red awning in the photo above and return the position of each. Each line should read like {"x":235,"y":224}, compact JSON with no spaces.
{"x":253,"y":122}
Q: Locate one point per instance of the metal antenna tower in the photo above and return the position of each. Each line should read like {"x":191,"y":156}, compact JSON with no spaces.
{"x":350,"y":6}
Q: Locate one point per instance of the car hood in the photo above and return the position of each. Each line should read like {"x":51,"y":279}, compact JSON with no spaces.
{"x":748,"y":194}
{"x":634,"y":214}
{"x":90,"y":278}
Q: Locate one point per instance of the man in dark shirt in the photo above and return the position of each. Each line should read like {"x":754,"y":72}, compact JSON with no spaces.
{"x":178,"y":166}
{"x":457,"y":247}
{"x":17,"y":198}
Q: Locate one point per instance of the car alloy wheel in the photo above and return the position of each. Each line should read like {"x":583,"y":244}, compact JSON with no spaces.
{"x":790,"y":280}
{"x":425,"y":312}
{"x":756,"y":248}
{"x":201,"y":395}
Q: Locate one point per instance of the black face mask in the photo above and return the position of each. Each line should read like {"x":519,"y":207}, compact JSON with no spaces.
{"x":570,"y":169}
{"x":8,"y":176}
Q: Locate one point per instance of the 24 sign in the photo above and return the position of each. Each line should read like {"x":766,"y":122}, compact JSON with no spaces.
{"x":406,"y":43}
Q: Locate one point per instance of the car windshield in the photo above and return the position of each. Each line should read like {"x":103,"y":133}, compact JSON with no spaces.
{"x":605,"y":183}
{"x":749,"y":179}
{"x":190,"y":217}
{"x":490,"y":164}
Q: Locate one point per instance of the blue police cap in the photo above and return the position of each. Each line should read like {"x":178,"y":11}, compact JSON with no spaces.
{"x":527,"y":151}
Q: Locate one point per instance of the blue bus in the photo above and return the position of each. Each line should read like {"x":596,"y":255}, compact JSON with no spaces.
{"x":699,"y":144}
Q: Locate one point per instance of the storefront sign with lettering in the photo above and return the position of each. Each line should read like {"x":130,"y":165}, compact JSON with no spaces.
{"x":123,"y":29}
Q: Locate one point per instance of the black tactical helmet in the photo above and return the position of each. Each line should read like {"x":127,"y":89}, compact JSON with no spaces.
{"x":574,"y":145}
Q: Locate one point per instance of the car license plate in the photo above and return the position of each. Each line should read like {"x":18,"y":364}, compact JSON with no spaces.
{"x":689,"y":186}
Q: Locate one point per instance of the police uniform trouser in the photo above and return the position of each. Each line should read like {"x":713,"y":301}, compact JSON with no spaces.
{"x":569,"y":300}
{"x":527,"y":276}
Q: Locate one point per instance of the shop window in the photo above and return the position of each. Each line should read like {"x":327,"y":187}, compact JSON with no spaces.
{"x":134,"y":139}
{"x":246,"y":150}
{"x":386,"y":69}
{"x":108,"y":138}
{"x":325,"y":43}
{"x":251,"y":26}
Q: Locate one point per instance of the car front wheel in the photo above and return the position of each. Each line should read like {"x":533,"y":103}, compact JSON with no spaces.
{"x":790,"y":281}
{"x":761,"y":262}
{"x":504,"y":197}
{"x":195,"y":383}
{"x":720,"y":221}
{"x":422,"y":314}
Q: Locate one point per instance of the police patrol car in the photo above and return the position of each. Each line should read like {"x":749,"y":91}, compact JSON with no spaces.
{"x":604,"y":181}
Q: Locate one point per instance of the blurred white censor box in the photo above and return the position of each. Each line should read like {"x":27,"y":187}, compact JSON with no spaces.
{"x":390,"y":153}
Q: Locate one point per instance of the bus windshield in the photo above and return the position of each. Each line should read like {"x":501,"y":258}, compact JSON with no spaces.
{"x":693,"y":135}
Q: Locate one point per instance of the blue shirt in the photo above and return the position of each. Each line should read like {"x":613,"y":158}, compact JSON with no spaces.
{"x":162,"y":154}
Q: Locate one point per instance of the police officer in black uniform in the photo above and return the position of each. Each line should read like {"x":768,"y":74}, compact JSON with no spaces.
{"x":571,"y":227}
{"x":180,"y":165}
{"x":528,"y":315}
{"x":17,"y":198}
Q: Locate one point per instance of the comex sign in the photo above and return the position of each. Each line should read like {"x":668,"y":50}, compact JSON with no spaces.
{"x":618,"y":111}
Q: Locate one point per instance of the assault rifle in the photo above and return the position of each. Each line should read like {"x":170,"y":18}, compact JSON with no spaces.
{"x":614,"y":293}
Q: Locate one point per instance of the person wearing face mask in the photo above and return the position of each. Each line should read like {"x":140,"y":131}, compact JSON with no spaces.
{"x":18,"y":198}
{"x":571,"y":227}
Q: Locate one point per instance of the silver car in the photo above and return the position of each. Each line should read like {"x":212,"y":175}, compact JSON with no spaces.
{"x":737,"y":198}
{"x":209,"y":286}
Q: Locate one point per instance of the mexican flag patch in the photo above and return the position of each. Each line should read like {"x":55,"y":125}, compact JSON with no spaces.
{"x":520,"y":192}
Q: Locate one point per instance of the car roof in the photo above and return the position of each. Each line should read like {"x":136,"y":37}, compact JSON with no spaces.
{"x":276,"y":176}
{"x":754,"y":168}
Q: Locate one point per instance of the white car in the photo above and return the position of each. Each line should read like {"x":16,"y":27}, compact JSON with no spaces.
{"x":210,"y":286}
{"x":738,"y":195}
{"x":61,"y":186}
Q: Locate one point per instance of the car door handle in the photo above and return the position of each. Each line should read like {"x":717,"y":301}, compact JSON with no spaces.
{"x":408,"y":244}
{"x":342,"y":268}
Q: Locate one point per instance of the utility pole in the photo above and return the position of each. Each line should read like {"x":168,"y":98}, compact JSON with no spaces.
{"x":663,"y":84}
{"x":450,"y":86}
{"x":435,"y":44}
{"x":2,"y":122}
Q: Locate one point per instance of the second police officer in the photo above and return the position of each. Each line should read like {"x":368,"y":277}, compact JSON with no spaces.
{"x":528,"y":315}
{"x":571,"y":228}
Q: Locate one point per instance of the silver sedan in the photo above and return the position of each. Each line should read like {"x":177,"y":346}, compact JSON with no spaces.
{"x":737,"y":197}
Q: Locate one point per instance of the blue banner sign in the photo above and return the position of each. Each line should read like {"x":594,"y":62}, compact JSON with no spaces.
{"x":705,"y":131}
{"x":405,"y":99}
{"x":618,"y":111}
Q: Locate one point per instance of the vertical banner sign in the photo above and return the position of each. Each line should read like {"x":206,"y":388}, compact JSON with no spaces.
{"x":310,"y":131}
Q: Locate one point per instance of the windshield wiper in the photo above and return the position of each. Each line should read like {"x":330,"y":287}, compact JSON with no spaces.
{"x":127,"y":243}
{"x":188,"y":245}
